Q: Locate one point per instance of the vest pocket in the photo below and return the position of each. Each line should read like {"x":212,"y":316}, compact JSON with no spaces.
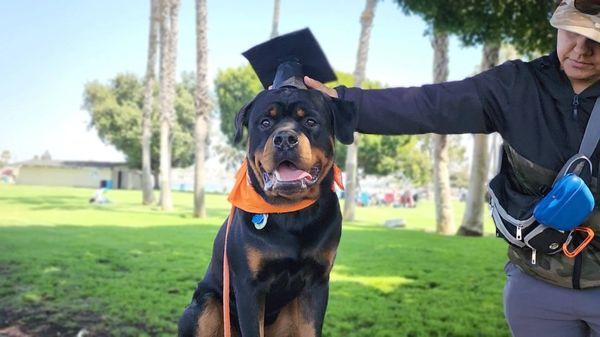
{"x":546,"y":240}
{"x":512,"y":211}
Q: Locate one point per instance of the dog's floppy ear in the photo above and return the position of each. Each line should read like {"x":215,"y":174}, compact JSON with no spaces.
{"x":241,"y":120}
{"x":345,"y":119}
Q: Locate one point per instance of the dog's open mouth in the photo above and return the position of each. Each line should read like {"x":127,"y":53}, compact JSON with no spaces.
{"x":288,"y":178}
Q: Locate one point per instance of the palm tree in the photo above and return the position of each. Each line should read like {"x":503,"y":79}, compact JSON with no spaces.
{"x":366,"y":22}
{"x":203,"y":106}
{"x":275,"y":25}
{"x":168,"y":60}
{"x":441,"y":177}
{"x":472,"y":223}
{"x":147,"y":185}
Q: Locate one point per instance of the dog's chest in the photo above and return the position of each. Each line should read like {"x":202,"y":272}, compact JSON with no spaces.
{"x":284,"y":278}
{"x":291,"y":260}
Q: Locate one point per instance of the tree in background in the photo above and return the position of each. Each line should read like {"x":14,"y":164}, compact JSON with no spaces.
{"x":377,"y":155}
{"x":203,"y":106}
{"x":472,"y":222}
{"x":234,"y":87}
{"x":458,"y":166}
{"x":382,"y":155}
{"x":441,"y":174}
{"x":523,"y":23}
{"x":429,"y":10}
{"x":366,"y":22}
{"x":5,"y":158}
{"x":168,"y":60}
{"x":275,"y":23}
{"x":147,"y":183}
{"x":116,"y":113}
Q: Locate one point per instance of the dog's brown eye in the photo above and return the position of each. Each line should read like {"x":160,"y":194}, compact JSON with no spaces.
{"x":311,"y":123}
{"x":265,"y":123}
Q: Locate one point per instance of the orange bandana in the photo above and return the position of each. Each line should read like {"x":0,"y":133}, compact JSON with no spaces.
{"x":243,"y":195}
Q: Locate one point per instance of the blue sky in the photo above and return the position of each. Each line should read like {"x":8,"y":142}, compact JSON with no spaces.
{"x":50,"y":49}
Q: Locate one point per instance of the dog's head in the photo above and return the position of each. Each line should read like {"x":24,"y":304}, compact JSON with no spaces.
{"x":291,"y":142}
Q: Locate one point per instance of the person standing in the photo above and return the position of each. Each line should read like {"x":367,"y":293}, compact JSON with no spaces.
{"x":541,"y":109}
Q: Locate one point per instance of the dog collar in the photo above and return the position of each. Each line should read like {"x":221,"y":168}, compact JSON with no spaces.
{"x":243,"y":195}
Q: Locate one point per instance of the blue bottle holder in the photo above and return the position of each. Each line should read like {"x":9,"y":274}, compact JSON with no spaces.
{"x":567,"y":205}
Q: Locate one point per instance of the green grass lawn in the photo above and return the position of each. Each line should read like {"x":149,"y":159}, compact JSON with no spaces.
{"x":129,"y":270}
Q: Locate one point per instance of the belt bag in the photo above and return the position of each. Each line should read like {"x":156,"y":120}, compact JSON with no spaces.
{"x":545,"y":222}
{"x":570,"y":200}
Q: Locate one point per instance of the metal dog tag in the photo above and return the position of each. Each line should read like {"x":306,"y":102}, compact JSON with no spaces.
{"x":260,"y":220}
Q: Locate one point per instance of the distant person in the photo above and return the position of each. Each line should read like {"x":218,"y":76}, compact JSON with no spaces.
{"x":98,"y":197}
{"x":541,"y":109}
{"x":363,"y":199}
{"x":462,"y":195}
{"x":407,"y":199}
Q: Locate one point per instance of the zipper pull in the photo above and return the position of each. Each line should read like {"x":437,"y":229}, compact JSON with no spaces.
{"x":575,"y":106}
{"x":519,"y":234}
{"x":533,"y":256}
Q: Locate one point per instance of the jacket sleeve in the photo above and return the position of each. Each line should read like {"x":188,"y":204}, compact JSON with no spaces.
{"x":473,"y":105}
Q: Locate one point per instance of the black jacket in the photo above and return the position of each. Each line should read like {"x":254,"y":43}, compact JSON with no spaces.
{"x":542,"y":121}
{"x":530,"y":104}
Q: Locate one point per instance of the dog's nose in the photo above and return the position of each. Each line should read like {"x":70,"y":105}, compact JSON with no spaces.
{"x":285,"y":140}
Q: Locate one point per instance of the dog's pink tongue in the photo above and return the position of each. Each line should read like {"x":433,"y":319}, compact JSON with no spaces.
{"x":289,"y":172}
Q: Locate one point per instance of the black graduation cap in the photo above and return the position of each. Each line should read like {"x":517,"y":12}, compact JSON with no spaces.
{"x":284,"y":60}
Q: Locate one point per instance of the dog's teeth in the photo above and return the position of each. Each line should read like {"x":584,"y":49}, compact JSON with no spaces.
{"x":277,"y":176}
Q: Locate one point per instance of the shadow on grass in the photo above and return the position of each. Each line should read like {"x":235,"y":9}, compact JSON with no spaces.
{"x":47,"y":202}
{"x":72,"y":203}
{"x":182,"y":213}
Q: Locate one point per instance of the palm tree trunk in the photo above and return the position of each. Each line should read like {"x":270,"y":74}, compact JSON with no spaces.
{"x":366,"y":22}
{"x":275,"y":24}
{"x":168,"y":60}
{"x":441,"y":177}
{"x":202,"y":107}
{"x":472,"y":223}
{"x":494,"y":155}
{"x":147,"y":184}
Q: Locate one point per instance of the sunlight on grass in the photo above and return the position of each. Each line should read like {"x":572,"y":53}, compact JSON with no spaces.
{"x":385,"y":284}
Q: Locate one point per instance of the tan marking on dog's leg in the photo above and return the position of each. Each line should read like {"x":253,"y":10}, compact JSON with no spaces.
{"x":283,"y":325}
{"x":302,"y":326}
{"x":328,"y":255}
{"x":210,"y":322}
{"x":261,"y":319}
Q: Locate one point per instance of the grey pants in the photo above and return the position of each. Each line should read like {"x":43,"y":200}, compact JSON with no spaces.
{"x":535,"y":308}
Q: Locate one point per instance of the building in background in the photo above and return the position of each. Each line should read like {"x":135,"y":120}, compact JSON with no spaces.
{"x":90,"y":174}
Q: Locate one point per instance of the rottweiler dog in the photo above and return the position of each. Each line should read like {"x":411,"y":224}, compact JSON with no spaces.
{"x":279,"y":274}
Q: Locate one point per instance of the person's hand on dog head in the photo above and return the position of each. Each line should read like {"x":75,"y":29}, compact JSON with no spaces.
{"x":314,"y":84}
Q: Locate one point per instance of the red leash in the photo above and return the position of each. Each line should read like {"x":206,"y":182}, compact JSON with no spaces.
{"x":226,"y":317}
